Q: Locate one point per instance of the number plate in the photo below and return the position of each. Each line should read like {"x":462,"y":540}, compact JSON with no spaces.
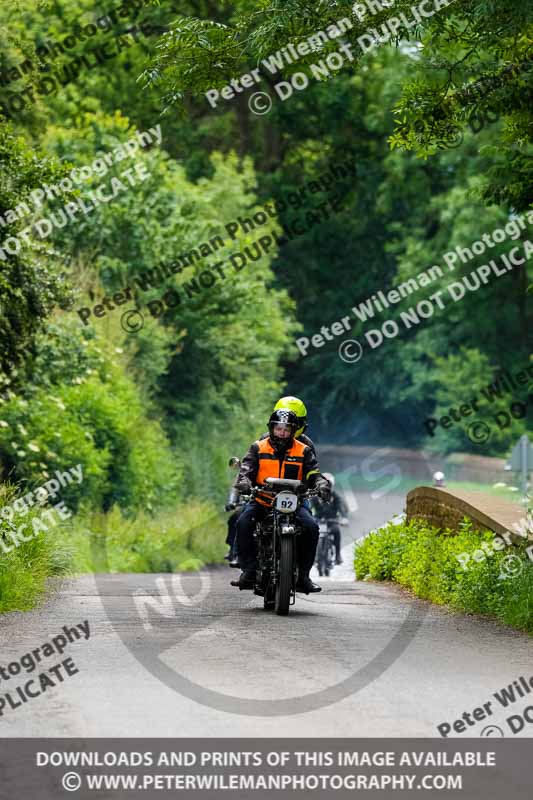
{"x":286,"y":502}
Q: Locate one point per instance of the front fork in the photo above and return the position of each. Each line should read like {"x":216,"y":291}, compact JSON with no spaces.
{"x":288,"y":521}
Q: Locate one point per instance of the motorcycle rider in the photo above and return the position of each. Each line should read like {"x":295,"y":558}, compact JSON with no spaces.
{"x":331,"y":510}
{"x":236,"y":505}
{"x":289,"y":403}
{"x":280,"y":455}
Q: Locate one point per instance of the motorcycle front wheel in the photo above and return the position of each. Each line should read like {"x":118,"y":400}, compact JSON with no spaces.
{"x":285,"y":576}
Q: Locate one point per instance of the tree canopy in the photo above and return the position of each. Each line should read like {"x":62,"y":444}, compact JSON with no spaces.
{"x":418,"y":147}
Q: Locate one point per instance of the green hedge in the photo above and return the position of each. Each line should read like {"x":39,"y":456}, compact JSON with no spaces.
{"x":84,"y":407}
{"x":424,"y":559}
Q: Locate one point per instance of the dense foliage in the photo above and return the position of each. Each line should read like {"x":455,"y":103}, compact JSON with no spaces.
{"x":425,"y":560}
{"x":153,"y":414}
{"x":402,"y":214}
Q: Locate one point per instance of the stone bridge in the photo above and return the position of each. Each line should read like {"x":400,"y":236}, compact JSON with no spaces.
{"x":446,"y":508}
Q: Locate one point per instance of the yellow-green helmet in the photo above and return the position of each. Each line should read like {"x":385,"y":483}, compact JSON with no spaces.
{"x":296,"y":405}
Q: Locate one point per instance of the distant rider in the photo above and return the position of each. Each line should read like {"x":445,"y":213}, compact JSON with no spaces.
{"x":279,"y":455}
{"x":333,"y":509}
{"x":235,"y":504}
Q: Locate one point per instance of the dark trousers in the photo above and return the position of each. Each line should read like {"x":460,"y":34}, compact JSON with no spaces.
{"x":306,"y":542}
{"x":232,"y":529}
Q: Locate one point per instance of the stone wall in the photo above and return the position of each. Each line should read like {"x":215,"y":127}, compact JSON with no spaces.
{"x":445,"y":508}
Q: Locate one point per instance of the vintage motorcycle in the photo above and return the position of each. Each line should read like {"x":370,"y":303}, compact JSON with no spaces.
{"x":275,"y":536}
{"x":325,"y":551}
{"x":276,"y":545}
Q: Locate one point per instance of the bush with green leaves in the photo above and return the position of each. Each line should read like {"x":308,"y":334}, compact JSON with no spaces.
{"x":30,"y":280}
{"x":425,"y":560}
{"x":25,"y":569}
{"x":83,"y":408}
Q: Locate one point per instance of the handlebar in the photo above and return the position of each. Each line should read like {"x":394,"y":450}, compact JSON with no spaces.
{"x":284,"y":483}
{"x":277,"y":484}
{"x":302,"y":492}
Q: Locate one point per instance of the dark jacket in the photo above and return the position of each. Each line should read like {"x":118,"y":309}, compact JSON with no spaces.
{"x":336,"y":507}
{"x":250,"y":464}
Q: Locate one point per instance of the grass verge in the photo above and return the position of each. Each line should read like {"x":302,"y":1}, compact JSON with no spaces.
{"x":184,"y":539}
{"x":25,"y":568}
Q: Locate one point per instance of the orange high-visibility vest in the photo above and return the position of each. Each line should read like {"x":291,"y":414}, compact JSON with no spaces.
{"x":271,"y":466}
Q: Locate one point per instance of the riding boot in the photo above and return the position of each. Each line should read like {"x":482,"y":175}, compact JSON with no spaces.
{"x":305,"y":584}
{"x":246,"y":579}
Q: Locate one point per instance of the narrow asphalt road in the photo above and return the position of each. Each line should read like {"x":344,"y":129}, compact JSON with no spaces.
{"x":187,"y":657}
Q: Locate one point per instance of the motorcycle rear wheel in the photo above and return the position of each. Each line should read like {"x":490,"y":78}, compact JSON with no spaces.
{"x":285,"y":577}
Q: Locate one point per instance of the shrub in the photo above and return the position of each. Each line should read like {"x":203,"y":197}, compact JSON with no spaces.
{"x":25,"y":569}
{"x":424,"y":559}
{"x":183,"y":540}
{"x":97,"y":418}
